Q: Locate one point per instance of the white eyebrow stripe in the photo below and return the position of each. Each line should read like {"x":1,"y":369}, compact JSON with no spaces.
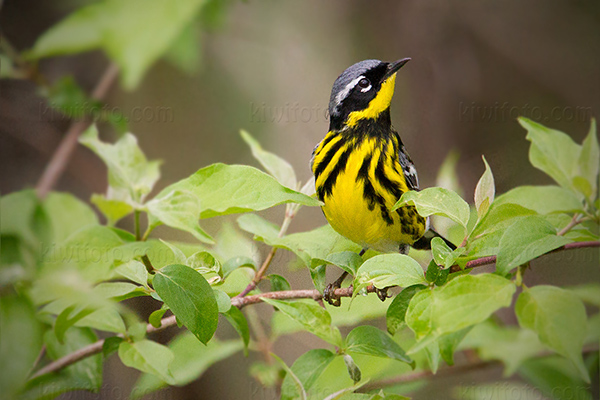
{"x":343,"y":93}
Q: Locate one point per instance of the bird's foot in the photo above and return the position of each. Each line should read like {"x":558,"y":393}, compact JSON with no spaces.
{"x":383,"y":293}
{"x":329,"y":292}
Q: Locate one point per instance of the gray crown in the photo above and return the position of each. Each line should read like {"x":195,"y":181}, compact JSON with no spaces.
{"x":340,"y":87}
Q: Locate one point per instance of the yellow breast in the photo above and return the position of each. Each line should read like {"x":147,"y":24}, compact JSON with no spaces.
{"x":358,"y":201}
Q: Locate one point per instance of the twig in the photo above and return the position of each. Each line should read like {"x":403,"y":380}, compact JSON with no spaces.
{"x":457,"y":369}
{"x":575,"y":221}
{"x":63,"y":153}
{"x":244,"y":301}
{"x":492,"y":259}
{"x":93,"y":349}
{"x":290,"y":212}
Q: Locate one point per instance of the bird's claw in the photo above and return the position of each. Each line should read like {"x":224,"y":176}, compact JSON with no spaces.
{"x":330,"y":296}
{"x":382,"y":293}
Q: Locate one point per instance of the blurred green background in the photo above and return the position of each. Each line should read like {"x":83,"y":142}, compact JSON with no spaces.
{"x":268,"y":66}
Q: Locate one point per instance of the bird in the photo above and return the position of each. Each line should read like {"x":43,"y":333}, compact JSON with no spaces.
{"x":361,"y":167}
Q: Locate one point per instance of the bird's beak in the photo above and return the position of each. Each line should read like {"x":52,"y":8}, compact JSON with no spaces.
{"x":393,"y":67}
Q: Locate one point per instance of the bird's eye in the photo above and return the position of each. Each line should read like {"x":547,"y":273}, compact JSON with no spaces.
{"x":364,"y":83}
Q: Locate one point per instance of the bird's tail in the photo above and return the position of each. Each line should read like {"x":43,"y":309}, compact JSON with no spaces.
{"x":424,"y":243}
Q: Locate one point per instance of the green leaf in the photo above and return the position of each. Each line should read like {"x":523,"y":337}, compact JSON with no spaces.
{"x":346,"y":260}
{"x":542,"y":199}
{"x":228,"y":189}
{"x":432,"y":355}
{"x":389,"y":270}
{"x":526,"y":239}
{"x":190,"y":360}
{"x":178,"y":209}
{"x":155,"y":318}
{"x":447,"y":176}
{"x":307,"y":368}
{"x":237,"y":319}
{"x":111,"y":344}
{"x":112,"y":209}
{"x":437,"y":201}
{"x":268,"y":375}
{"x":134,"y":34}
{"x":67,"y":215}
{"x":135,"y":271}
{"x":223,"y":301}
{"x":312,"y":247}
{"x":190,"y":298}
{"x":589,"y":160}
{"x":21,"y":342}
{"x":464,"y":301}
{"x":486,"y":235}
{"x":237,"y":262}
{"x":397,"y":309}
{"x":353,"y":369}
{"x":274,"y":165}
{"x":203,"y":262}
{"x":278,"y":283}
{"x":184,"y":51}
{"x":148,"y":356}
{"x":136,"y":330}
{"x":552,"y":152}
{"x":449,"y":342}
{"x":484,"y":191}
{"x":299,"y":388}
{"x":588,"y":293}
{"x":559,"y":319}
{"x":128,"y":169}
{"x":443,"y":255}
{"x":311,"y":316}
{"x":433,"y":271}
{"x":371,"y":341}
{"x":85,"y":374}
{"x":510,"y":345}
{"x":319,"y":277}
{"x":556,"y":378}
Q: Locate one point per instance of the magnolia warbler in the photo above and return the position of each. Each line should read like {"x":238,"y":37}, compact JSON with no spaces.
{"x":362,"y":168}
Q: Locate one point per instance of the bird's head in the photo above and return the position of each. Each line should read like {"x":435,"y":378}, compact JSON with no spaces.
{"x":363,"y":91}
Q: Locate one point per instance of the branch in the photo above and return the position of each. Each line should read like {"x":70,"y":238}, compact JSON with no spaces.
{"x":492,"y":259}
{"x":457,"y":369}
{"x":61,"y":156}
{"x":241,"y":302}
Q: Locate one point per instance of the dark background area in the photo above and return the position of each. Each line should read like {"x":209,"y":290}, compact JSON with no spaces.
{"x":268,"y":68}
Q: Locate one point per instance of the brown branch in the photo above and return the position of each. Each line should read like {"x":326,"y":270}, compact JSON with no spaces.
{"x":57,"y":164}
{"x":492,"y":259}
{"x":93,"y":349}
{"x":241,"y":302}
{"x":447,"y":371}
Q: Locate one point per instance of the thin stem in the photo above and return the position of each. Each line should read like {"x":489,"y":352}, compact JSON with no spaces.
{"x":290,"y":212}
{"x":575,"y":221}
{"x":61,"y":156}
{"x":254,"y":299}
{"x":147,"y":263}
{"x":136,"y":215}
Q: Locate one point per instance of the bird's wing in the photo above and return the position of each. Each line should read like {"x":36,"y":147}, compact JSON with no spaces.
{"x":410,"y":172}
